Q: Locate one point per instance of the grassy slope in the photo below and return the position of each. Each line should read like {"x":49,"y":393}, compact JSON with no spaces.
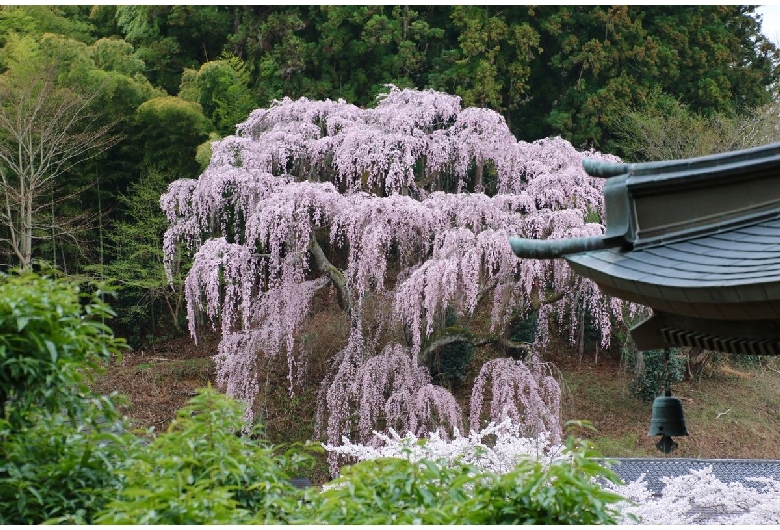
{"x":733,"y":413}
{"x":158,"y":383}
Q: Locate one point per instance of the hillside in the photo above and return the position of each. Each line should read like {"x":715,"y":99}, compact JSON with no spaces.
{"x":733,"y":412}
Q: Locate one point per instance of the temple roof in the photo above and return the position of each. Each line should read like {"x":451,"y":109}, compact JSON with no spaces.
{"x":696,"y":240}
{"x":731,"y":274}
{"x":726,"y":470}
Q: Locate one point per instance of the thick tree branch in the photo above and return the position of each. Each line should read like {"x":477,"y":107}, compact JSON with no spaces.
{"x":333,"y":273}
{"x":547,"y":300}
{"x":514,"y":349}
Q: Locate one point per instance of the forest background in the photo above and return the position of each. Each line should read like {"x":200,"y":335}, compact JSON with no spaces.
{"x":160,"y":82}
{"x":149,"y":87}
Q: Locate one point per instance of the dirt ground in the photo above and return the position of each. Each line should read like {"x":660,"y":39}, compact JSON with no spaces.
{"x":733,"y":413}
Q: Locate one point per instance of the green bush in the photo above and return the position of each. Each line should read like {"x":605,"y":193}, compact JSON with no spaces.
{"x":58,"y":456}
{"x":448,"y":365}
{"x":395,"y":491}
{"x":740,"y":361}
{"x":562,"y":493}
{"x":52,"y":336}
{"x":649,"y":382}
{"x":56,"y":471}
{"x":205,"y":470}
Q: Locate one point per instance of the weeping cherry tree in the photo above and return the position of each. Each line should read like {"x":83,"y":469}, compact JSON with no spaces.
{"x":407,"y":206}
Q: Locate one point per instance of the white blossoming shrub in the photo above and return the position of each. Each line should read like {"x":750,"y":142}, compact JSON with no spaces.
{"x":696,"y":498}
{"x":500,"y":455}
{"x":701,"y":498}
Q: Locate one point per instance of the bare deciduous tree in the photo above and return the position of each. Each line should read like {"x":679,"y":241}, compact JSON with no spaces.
{"x":676,"y":132}
{"x":45,"y":130}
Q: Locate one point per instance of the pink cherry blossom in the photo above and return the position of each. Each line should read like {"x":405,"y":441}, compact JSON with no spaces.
{"x":408,"y":205}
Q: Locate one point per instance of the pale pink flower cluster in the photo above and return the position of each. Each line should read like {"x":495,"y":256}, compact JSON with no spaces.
{"x":416,"y":110}
{"x":206,"y":288}
{"x":371,"y":227}
{"x":521,"y":391}
{"x":388,"y":389}
{"x":308,"y":194}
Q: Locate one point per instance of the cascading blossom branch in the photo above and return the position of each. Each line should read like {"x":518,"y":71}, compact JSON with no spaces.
{"x":411,"y":202}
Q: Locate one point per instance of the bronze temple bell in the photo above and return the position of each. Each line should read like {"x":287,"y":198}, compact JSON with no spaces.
{"x":666,"y":421}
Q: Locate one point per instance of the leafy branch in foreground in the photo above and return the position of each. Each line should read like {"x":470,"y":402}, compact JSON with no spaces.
{"x":52,"y":337}
{"x":60,"y":445}
{"x":437,"y":491}
{"x":205,"y":470}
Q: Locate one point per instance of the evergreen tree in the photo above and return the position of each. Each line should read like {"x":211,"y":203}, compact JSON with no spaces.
{"x":148,"y":298}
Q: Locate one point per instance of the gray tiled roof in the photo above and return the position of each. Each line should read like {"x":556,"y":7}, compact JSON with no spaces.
{"x":731,"y":257}
{"x":726,"y":470}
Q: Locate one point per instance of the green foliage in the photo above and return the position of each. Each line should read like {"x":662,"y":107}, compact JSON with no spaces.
{"x":745,"y":361}
{"x":103,"y":100}
{"x":491,"y":65}
{"x":51,"y":336}
{"x":338,"y":51}
{"x":209,"y":468}
{"x":203,"y":152}
{"x":524,"y":330}
{"x":171,"y":39}
{"x":222,"y":89}
{"x":21,"y":53}
{"x":116,"y":55}
{"x":168,"y":131}
{"x":449,"y":364}
{"x":137,"y":268}
{"x":39,"y":19}
{"x":666,"y":129}
{"x":649,"y":380}
{"x":600,"y":61}
{"x":563,"y":493}
{"x":103,"y":20}
{"x":396,"y":491}
{"x":58,"y":456}
{"x":58,"y":470}
{"x":108,"y":68}
{"x":568,"y":70}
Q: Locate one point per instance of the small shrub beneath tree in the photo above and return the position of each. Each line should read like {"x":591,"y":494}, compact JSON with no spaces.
{"x":649,"y":380}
